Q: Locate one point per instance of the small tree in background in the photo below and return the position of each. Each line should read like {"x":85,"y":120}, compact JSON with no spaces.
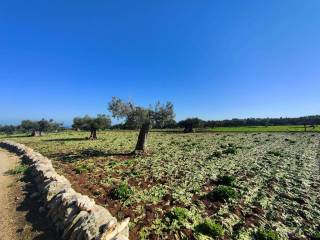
{"x":8,"y":129}
{"x":37,"y":128}
{"x":140,"y":117}
{"x":87,"y":123}
{"x":190,"y":123}
{"x":29,"y":126}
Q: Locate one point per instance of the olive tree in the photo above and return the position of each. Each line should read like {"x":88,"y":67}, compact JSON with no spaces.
{"x":8,"y":129}
{"x":37,"y":128}
{"x":190,"y":123}
{"x":29,"y":126}
{"x":92,"y":124}
{"x":141,"y":117}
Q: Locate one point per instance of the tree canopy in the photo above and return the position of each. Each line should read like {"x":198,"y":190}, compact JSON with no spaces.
{"x":8,"y":129}
{"x":190,"y":123}
{"x":236,"y":122}
{"x":135,"y":116}
{"x":92,"y":124}
{"x":39,"y":127}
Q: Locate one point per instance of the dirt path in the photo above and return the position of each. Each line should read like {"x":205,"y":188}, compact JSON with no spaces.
{"x":20,"y":218}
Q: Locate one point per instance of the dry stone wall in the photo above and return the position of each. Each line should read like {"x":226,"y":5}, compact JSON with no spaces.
{"x":75,"y":216}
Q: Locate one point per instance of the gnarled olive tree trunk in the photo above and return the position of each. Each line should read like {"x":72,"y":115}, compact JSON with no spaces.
{"x":142,"y":138}
{"x":93,"y":134}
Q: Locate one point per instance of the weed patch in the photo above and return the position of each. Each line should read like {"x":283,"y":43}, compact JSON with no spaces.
{"x":19,"y":169}
{"x":222,"y":193}
{"x":226,"y":180}
{"x":122,"y":192}
{"x":83,"y":168}
{"x":275,"y":153}
{"x":216,"y":154}
{"x":230,"y":150}
{"x":210,"y":228}
{"x":263,"y":234}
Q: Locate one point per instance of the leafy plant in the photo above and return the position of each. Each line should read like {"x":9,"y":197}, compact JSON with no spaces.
{"x":275,"y":153}
{"x":83,"y":167}
{"x":264,"y":234}
{"x":316,"y":236}
{"x":230,"y":150}
{"x":216,"y":154}
{"x":123,"y":191}
{"x":226,"y":180}
{"x":222,"y":193}
{"x":210,"y":228}
{"x":19,"y":169}
{"x":178,"y":213}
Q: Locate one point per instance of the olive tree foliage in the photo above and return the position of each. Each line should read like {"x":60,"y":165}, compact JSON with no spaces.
{"x":8,"y":129}
{"x":163,"y":115}
{"x":190,"y":123}
{"x":37,"y":128}
{"x":92,"y":124}
{"x":141,"y":117}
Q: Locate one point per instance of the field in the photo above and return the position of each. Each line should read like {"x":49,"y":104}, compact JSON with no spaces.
{"x":197,"y":186}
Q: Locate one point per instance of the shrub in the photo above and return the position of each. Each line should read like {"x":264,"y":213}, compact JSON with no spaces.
{"x":222,"y":193}
{"x":123,"y":191}
{"x":210,"y":228}
{"x":263,"y":234}
{"x":180,"y":214}
{"x":230,"y":150}
{"x":227,"y":180}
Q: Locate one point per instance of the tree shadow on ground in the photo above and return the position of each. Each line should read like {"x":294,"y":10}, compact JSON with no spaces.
{"x":31,"y":205}
{"x":17,"y":136}
{"x":65,"y":139}
{"x":85,"y":154}
{"x":180,"y":131}
{"x":167,"y":131}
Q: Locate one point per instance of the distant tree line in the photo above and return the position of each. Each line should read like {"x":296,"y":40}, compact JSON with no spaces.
{"x":190,"y":123}
{"x":162,"y":118}
{"x":307,"y":120}
{"x":34,"y":128}
{"x":8,"y":129}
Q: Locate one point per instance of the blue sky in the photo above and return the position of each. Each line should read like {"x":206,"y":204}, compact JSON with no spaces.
{"x":213,"y":59}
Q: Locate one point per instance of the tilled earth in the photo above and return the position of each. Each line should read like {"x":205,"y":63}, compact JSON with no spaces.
{"x":276,"y":180}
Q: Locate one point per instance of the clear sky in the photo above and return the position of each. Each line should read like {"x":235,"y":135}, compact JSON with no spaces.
{"x":213,"y":59}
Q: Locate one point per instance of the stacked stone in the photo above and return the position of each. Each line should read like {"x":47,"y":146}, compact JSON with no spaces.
{"x":74,"y":215}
